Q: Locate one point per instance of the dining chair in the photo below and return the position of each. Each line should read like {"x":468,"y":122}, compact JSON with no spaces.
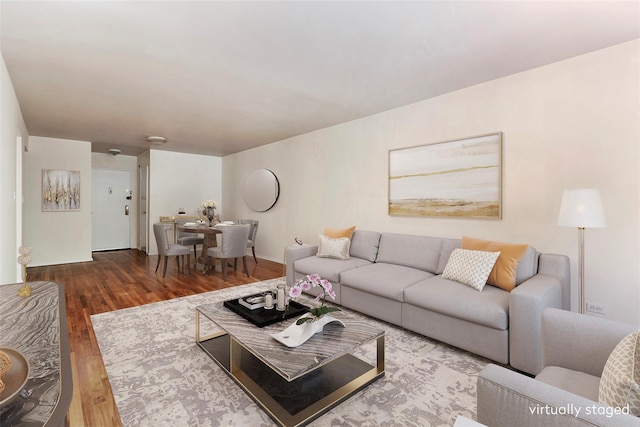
{"x":253,"y":231}
{"x":233,"y":246}
{"x":188,"y":239}
{"x":164,"y":237}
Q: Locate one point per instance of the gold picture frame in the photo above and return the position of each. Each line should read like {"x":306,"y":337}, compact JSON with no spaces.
{"x":60,"y":190}
{"x":459,"y":178}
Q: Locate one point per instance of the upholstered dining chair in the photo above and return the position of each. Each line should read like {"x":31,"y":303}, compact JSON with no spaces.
{"x":253,"y":231}
{"x":233,"y":245}
{"x":164,"y":237}
{"x":188,"y":239}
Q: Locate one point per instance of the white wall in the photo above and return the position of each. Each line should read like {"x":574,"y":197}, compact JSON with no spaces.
{"x":57,"y":237}
{"x":12,"y":129}
{"x":181,"y":180}
{"x":129,"y":164}
{"x":570,"y":124}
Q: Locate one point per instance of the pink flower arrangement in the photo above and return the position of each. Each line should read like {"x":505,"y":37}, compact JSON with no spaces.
{"x":306,"y":283}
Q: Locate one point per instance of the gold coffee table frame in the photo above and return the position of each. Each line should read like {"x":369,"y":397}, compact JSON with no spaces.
{"x":227,"y":345}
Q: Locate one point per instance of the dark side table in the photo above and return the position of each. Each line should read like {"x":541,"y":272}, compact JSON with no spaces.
{"x":37,"y":327}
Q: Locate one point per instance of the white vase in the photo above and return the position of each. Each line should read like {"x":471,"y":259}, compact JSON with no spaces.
{"x":296,"y":335}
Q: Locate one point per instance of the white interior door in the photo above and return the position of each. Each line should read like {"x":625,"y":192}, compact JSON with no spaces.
{"x":111,"y":205}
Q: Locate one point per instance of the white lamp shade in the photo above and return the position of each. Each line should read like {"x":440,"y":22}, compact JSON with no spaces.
{"x":581,"y":208}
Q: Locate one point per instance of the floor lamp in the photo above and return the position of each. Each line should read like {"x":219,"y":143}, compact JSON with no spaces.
{"x":581,"y":208}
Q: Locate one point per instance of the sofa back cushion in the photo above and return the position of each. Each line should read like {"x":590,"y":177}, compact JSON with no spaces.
{"x":364,"y":244}
{"x":448,"y":245}
{"x":419,"y":252}
{"x":528,"y":265}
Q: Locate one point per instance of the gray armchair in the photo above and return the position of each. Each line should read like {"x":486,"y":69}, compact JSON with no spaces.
{"x":575,"y":348}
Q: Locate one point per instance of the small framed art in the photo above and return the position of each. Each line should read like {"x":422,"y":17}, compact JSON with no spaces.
{"x":60,"y":190}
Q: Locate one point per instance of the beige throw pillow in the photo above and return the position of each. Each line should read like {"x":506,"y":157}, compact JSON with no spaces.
{"x":469,"y":267}
{"x":620,"y":381}
{"x":334,"y":248}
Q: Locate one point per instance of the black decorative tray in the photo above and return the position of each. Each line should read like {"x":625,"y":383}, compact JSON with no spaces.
{"x":262,"y":317}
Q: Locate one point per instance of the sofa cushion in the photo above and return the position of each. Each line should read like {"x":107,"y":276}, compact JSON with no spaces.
{"x":334,"y":248}
{"x":469,"y":267}
{"x":503,"y":274}
{"x":421,"y":252}
{"x":448,"y":245}
{"x":336,"y":233}
{"x":620,"y":383}
{"x":528,"y":266}
{"x":385,"y":280}
{"x":489,"y":307}
{"x":575,"y":382}
{"x":327,"y":268}
{"x":364,"y":244}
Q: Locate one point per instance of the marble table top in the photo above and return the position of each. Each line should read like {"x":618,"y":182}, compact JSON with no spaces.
{"x":291,"y":363}
{"x":37,"y":327}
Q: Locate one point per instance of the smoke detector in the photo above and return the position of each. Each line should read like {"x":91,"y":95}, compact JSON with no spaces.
{"x":156,"y":140}
{"x":113,"y":151}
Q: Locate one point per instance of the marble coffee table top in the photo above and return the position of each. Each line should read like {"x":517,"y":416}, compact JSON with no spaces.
{"x":292,"y":363}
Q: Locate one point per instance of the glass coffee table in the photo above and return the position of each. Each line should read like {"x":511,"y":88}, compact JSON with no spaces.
{"x":293,"y":385}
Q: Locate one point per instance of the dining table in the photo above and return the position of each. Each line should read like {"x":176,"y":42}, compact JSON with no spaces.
{"x":203,"y":262}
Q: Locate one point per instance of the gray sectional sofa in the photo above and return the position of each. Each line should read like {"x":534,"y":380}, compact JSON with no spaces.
{"x":397,"y":278}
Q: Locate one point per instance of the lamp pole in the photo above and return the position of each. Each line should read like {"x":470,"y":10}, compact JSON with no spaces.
{"x":581,"y":267}
{"x":581,"y":208}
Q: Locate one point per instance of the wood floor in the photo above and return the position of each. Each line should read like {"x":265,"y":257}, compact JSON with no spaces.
{"x":116,"y":280}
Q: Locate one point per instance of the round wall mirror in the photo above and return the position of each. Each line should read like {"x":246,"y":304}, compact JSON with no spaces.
{"x":261,"y":190}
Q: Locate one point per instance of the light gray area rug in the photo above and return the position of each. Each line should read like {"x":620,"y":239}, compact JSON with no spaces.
{"x":160,"y":377}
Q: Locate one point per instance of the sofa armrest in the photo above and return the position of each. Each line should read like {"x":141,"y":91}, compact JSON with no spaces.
{"x":579,"y":342}
{"x":526,"y":303}
{"x":507,"y":398}
{"x":294,"y":253}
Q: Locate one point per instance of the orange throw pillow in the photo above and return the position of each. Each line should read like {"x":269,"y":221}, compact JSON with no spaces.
{"x":336,"y":233}
{"x":503,"y":274}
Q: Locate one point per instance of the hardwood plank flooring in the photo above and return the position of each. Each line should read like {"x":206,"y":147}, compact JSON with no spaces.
{"x":116,"y":280}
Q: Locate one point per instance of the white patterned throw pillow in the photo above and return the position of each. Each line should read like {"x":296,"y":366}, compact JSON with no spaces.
{"x":334,"y":248}
{"x":620,"y":381}
{"x":470,"y":267}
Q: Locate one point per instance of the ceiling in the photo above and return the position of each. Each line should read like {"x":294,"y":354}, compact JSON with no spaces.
{"x":219,"y":77}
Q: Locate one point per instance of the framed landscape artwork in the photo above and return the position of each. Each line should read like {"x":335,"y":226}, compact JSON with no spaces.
{"x":60,"y":190}
{"x":460,"y":178}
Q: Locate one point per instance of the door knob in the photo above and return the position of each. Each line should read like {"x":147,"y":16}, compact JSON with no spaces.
{"x":126,"y":209}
